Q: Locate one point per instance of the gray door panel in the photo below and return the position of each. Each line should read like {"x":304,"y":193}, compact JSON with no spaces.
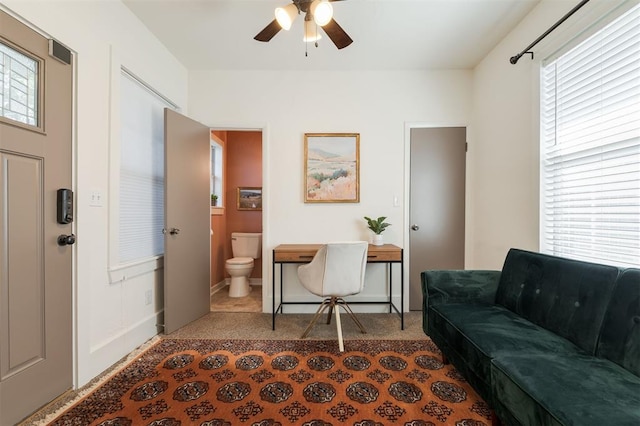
{"x":187,"y":221}
{"x":35,"y":273}
{"x":437,"y":203}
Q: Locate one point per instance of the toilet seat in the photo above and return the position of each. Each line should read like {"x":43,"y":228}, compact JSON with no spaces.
{"x":240,"y":261}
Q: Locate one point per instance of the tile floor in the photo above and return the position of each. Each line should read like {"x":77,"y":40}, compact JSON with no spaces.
{"x":221,"y":302}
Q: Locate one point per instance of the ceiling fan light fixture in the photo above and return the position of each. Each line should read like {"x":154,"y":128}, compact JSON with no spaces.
{"x":322,"y":12}
{"x":311,"y":33}
{"x":286,"y":15}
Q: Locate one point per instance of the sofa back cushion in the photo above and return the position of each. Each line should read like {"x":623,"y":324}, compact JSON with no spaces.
{"x":620,"y":335}
{"x":567,"y":297}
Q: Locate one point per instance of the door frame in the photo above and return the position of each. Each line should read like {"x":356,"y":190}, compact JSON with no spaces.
{"x":74,"y":188}
{"x":406,"y":235}
{"x":266,"y":172}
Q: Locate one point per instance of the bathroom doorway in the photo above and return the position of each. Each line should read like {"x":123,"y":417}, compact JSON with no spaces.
{"x":236,"y":172}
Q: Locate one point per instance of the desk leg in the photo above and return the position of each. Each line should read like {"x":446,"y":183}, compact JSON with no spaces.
{"x":402,"y":289}
{"x":281,"y":294}
{"x":273,"y":291}
{"x":390,"y":287}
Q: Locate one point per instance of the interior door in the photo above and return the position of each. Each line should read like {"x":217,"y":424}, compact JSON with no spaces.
{"x":437,"y":212}
{"x":35,"y":272}
{"x":187,"y":221}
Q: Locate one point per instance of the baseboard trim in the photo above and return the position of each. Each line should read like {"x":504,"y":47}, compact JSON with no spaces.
{"x":217,"y":287}
{"x":109,"y":351}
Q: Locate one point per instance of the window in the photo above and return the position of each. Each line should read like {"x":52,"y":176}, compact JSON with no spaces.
{"x":590,"y":171}
{"x":141,"y":195}
{"x":216,"y":171}
{"x":18,"y":86}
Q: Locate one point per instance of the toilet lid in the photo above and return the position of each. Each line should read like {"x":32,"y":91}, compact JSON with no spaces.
{"x":240,"y":261}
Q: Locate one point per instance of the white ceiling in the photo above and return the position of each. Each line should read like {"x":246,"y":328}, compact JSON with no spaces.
{"x":387,"y":34}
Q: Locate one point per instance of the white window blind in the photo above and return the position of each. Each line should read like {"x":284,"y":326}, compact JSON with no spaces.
{"x":141,"y":212}
{"x":590,"y":172}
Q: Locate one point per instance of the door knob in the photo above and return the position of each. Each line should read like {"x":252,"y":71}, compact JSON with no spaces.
{"x":66,"y":240}
{"x":415,"y":227}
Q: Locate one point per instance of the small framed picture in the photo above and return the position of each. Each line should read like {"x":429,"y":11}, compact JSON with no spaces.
{"x":250,"y":198}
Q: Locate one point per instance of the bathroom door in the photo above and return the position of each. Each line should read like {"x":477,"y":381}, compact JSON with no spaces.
{"x":187,"y":221}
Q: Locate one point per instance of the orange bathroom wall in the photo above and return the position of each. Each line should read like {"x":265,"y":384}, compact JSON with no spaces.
{"x":218,"y":244}
{"x":243,"y":169}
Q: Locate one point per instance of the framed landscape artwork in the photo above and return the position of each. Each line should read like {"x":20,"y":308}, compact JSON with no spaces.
{"x":249,"y":198}
{"x":331,"y":167}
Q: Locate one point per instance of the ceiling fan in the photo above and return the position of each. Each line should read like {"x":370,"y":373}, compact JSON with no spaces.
{"x":318,"y":11}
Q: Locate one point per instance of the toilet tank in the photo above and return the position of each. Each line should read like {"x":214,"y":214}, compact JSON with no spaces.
{"x":246,"y":244}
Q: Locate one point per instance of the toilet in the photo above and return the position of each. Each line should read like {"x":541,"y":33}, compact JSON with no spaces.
{"x":245,"y":248}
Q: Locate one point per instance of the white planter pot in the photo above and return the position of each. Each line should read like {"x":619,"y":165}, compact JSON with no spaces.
{"x":377,"y":240}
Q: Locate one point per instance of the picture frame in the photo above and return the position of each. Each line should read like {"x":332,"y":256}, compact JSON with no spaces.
{"x":332,"y":167}
{"x":249,"y":198}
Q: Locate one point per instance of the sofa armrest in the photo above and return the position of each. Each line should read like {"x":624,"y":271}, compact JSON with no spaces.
{"x":456,"y":286}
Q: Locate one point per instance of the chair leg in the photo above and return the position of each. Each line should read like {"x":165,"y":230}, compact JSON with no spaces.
{"x":339,"y":326}
{"x":332,"y":303}
{"x":353,"y":317}
{"x":319,"y":312}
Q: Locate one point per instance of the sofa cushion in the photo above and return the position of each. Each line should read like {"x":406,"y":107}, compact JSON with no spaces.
{"x":458,"y":286}
{"x":620,"y":335}
{"x":567,"y":297}
{"x":477,"y":333}
{"x":566,"y":389}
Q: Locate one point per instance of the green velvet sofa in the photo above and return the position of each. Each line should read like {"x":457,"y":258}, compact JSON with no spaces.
{"x":545,"y":341}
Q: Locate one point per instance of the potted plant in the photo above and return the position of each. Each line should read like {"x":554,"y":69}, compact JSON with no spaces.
{"x":214,"y":200}
{"x":377,"y":226}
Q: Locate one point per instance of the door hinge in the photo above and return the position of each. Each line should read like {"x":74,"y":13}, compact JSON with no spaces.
{"x":466,"y":147}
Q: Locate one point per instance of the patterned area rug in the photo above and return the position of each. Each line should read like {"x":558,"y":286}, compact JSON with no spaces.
{"x":271,"y":382}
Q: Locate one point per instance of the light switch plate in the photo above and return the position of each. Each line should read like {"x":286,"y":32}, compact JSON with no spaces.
{"x":96,"y":198}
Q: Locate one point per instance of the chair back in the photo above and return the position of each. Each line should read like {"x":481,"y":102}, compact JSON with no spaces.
{"x":337,"y":269}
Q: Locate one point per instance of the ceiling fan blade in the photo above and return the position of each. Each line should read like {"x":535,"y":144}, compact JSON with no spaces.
{"x":268,"y":32}
{"x":338,"y":36}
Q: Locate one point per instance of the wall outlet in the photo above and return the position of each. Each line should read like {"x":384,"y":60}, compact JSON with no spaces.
{"x":147,"y":297}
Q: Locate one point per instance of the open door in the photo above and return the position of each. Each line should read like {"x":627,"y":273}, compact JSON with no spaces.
{"x":187,"y":221}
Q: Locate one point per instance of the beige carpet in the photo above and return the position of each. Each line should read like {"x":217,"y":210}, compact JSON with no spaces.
{"x":224,"y":325}
{"x":248,"y":326}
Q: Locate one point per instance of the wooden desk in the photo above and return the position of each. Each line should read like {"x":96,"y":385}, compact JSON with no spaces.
{"x":304,"y":253}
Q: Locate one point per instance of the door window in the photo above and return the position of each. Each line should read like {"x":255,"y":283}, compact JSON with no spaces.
{"x":18,"y":86}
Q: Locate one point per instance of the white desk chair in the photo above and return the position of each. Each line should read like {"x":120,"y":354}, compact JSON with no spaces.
{"x":337,"y":270}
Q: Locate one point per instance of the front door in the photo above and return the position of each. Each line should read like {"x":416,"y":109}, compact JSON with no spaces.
{"x":35,"y":271}
{"x":437,"y":213}
{"x":187,"y":243}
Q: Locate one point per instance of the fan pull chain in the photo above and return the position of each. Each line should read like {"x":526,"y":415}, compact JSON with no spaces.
{"x":306,"y":44}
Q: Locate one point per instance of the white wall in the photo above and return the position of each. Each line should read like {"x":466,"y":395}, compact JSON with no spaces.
{"x":112,"y":319}
{"x":504,"y":152}
{"x":288,"y":104}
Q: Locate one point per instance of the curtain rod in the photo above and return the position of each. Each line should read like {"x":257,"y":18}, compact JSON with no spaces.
{"x":514,"y":59}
